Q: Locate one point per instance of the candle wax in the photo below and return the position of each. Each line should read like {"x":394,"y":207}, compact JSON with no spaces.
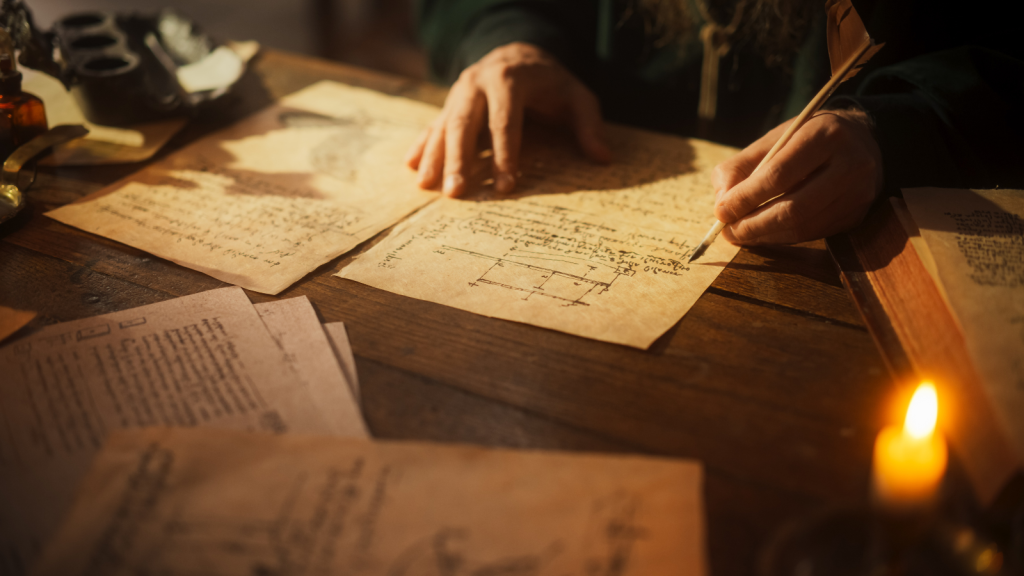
{"x":907,"y":469}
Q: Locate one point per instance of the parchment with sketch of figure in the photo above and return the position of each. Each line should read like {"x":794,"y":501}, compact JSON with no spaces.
{"x":263,"y":202}
{"x":180,"y":502}
{"x":596,"y":251}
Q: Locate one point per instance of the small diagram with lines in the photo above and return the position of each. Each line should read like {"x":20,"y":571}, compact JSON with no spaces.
{"x":532,"y":275}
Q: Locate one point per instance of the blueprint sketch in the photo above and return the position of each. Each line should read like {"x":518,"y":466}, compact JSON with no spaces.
{"x":596,"y":251}
{"x":223,"y":503}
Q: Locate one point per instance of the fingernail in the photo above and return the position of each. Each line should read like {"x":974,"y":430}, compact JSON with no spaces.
{"x":452,"y":184}
{"x":504,"y":183}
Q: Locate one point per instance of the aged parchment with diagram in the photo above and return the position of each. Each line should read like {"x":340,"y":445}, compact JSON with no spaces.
{"x":179,"y":502}
{"x":264,"y":202}
{"x":596,"y":251}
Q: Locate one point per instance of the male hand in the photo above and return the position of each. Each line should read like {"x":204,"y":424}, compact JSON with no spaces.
{"x":829,"y":173}
{"x":509,"y":81}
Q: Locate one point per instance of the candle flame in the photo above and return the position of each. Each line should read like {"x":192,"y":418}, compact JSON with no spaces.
{"x":923,"y":411}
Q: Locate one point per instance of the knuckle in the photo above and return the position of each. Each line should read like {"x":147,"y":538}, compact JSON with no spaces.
{"x":740,"y":205}
{"x":787,"y":215}
{"x":745,"y":231}
{"x":720,"y":174}
{"x":469,"y":75}
{"x":499,"y":125}
{"x":504,"y":71}
{"x":452,"y":164}
{"x":740,"y":231}
{"x":834,"y":132}
{"x":790,"y":221}
{"x":726,"y":175}
{"x":773,"y":177}
{"x":457,"y":123}
{"x":499,"y":121}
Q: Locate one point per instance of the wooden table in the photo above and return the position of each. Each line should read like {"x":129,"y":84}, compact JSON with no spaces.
{"x":771,"y":380}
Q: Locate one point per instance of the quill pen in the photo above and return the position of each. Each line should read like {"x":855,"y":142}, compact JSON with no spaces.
{"x":849,"y":48}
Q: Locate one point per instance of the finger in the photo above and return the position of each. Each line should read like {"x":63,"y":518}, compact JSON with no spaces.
{"x":432,"y":160}
{"x":827,"y":202}
{"x":792,"y":218}
{"x":764,"y":227}
{"x":505,"y":121}
{"x":801,"y":156}
{"x":588,"y":125}
{"x":742,"y":165}
{"x":415,"y":153}
{"x":461,"y":131}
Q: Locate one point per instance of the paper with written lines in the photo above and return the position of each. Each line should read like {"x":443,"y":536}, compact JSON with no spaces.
{"x":177,"y":502}
{"x":596,"y":251}
{"x":206,"y":360}
{"x":976,"y":238}
{"x":338,"y":337}
{"x":316,"y":358}
{"x":264,"y":202}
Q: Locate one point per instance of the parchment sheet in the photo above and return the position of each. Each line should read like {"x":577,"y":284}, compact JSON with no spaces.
{"x":12,"y":320}
{"x":976,"y":238}
{"x":338,"y":336}
{"x":264,"y":202}
{"x":176,"y":501}
{"x":316,"y":360}
{"x":201,"y":360}
{"x":596,"y":251}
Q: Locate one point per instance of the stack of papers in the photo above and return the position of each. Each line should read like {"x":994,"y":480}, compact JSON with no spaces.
{"x":206,"y":435}
{"x":208,"y":360}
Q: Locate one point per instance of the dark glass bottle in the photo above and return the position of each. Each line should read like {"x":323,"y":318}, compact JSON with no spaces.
{"x":22,"y":116}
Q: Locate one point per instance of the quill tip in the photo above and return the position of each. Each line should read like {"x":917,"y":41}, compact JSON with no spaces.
{"x":698,"y":252}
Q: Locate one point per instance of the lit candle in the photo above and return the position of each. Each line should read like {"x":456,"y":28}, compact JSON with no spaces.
{"x":910,"y":461}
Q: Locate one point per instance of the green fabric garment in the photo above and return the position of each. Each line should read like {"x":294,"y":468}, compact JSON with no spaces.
{"x":946,"y":92}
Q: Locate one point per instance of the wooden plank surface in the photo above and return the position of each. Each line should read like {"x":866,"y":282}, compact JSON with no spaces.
{"x":771,"y":380}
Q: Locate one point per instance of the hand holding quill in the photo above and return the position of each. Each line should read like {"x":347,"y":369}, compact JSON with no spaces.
{"x":850,"y":47}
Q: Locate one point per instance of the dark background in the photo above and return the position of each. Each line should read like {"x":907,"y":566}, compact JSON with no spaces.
{"x":378,"y":34}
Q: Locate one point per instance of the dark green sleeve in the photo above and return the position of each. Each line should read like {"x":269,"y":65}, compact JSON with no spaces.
{"x":457,"y":33}
{"x":952,"y":118}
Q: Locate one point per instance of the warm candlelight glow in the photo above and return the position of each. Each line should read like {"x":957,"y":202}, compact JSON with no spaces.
{"x":910,"y":461}
{"x":923,"y":411}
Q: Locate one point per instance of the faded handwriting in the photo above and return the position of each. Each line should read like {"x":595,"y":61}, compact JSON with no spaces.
{"x":182,"y":376}
{"x":992,"y":241}
{"x":325,"y":521}
{"x":264,"y":229}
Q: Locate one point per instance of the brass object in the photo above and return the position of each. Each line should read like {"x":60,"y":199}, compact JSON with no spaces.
{"x":12,"y":200}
